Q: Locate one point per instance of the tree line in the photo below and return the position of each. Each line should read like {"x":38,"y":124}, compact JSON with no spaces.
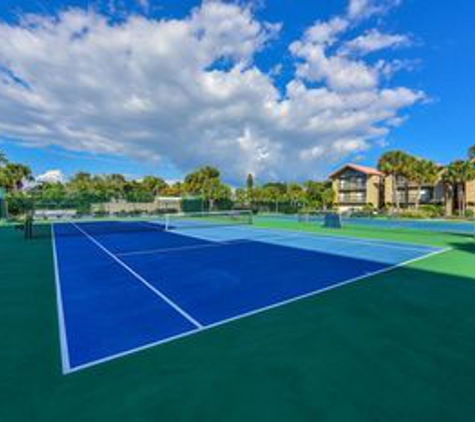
{"x":84,"y":189}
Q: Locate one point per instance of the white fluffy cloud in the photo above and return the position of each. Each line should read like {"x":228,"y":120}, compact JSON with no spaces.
{"x":362,"y":9}
{"x":50,"y":176}
{"x":374,"y":40}
{"x":187,"y":90}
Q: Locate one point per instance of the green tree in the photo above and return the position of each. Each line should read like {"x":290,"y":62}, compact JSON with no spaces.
{"x":408,"y":164}
{"x":217,"y":192}
{"x":175,"y":189}
{"x":84,"y":189}
{"x":154,"y":185}
{"x":471,"y":153}
{"x":315,"y":196}
{"x":3,"y":158}
{"x":394,"y":164}
{"x":196,"y":182}
{"x":275,"y":193}
{"x":328,"y":198}
{"x":136,"y":192}
{"x":81,"y":181}
{"x":296,"y":195}
{"x":258,"y":195}
{"x":240,"y":196}
{"x":111,"y":185}
{"x":13,"y":176}
{"x":206,"y":181}
{"x":249,"y":188}
{"x":423,"y":172}
{"x":51,"y":196}
{"x":456,"y":175}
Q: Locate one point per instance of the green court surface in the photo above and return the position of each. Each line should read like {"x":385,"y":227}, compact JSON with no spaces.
{"x":398,"y":346}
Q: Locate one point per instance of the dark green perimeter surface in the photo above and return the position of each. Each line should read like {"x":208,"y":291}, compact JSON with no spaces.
{"x":397,"y":347}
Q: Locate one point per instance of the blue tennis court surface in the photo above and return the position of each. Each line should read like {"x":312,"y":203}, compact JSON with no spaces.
{"x":125,"y":286}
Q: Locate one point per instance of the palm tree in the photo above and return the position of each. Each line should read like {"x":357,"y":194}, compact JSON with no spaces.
{"x":471,"y":158}
{"x":423,"y":171}
{"x":328,"y":198}
{"x":272,"y":193}
{"x":408,"y":163}
{"x":456,"y":175}
{"x":13,"y":176}
{"x":250,"y":188}
{"x":295,"y":194}
{"x":471,"y":153}
{"x":394,"y":164}
{"x":3,"y":158}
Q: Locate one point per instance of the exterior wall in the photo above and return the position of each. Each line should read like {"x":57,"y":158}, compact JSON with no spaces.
{"x":388,"y":190}
{"x":470,"y":192}
{"x":373,"y":191}
{"x":336,"y":189}
{"x":355,"y":190}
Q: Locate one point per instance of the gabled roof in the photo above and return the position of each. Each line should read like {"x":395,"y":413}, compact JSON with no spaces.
{"x":370,"y":171}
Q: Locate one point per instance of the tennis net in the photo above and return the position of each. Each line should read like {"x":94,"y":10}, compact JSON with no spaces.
{"x":183,"y":221}
{"x":66,"y":225}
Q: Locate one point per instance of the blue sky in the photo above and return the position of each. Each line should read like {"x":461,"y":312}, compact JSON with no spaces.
{"x":229,"y":83}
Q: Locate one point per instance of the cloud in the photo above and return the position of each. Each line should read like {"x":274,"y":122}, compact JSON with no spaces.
{"x":188,"y":91}
{"x":337,"y":71}
{"x":144,"y":4}
{"x":50,"y":176}
{"x":363,"y":9}
{"x":374,"y":40}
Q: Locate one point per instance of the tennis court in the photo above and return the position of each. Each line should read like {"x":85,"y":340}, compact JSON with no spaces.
{"x":123,"y":286}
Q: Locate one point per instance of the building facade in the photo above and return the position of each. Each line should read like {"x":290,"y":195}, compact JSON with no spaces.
{"x":357,"y":187}
{"x":470,"y":192}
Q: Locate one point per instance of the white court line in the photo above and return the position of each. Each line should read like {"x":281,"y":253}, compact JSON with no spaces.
{"x":176,"y":249}
{"x":63,"y":340}
{"x":254,"y":312}
{"x":340,"y":238}
{"x":216,"y":244}
{"x":162,"y":296}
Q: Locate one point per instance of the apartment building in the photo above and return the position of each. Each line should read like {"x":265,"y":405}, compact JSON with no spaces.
{"x":357,"y":187}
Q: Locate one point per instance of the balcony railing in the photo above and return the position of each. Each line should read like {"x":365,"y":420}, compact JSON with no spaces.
{"x":351,"y":186}
{"x":350,"y":199}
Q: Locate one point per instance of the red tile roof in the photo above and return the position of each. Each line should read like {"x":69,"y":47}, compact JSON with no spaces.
{"x":362,"y":169}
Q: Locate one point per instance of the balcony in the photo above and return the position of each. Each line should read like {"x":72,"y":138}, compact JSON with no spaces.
{"x":349,"y":186}
{"x":352,"y":199}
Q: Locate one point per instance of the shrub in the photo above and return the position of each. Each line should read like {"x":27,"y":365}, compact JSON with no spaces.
{"x":433,"y":211}
{"x":469,"y":213}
